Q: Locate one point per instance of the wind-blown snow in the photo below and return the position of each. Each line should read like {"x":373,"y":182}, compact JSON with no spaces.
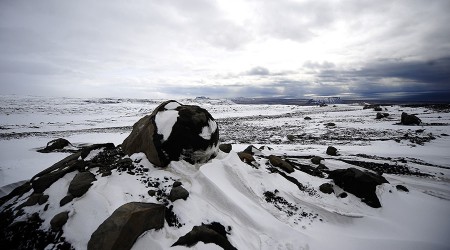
{"x":231,"y":192}
{"x":164,"y":122}
{"x":172,"y":105}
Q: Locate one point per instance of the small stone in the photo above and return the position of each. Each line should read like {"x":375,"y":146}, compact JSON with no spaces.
{"x":279,"y":163}
{"x":343,"y":195}
{"x":178,"y":193}
{"x":176,"y":184}
{"x":43,"y":199}
{"x":307,"y":118}
{"x":225,"y":147}
{"x":402,"y":188}
{"x":68,"y":198}
{"x":331,"y":151}
{"x":151,"y":192}
{"x":322,"y":167}
{"x":326,"y":188}
{"x":246,"y":157}
{"x":316,"y":159}
{"x":290,"y":137}
{"x":59,"y":220}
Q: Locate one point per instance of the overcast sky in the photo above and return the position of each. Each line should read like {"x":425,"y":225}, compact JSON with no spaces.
{"x":229,"y":48}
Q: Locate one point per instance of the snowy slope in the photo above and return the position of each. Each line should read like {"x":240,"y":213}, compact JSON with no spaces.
{"x":260,"y":209}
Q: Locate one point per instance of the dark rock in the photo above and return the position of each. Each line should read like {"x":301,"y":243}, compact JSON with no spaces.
{"x":32,"y":200}
{"x":377,"y":108}
{"x":252,"y":150}
{"x":246,"y":157}
{"x":343,"y":195}
{"x":279,"y":163}
{"x":290,"y":137}
{"x":402,"y":188}
{"x":171,"y":218}
{"x":307,"y":118}
{"x":20,"y":190}
{"x":177,"y":184}
{"x":81,"y":183}
{"x":43,"y":199}
{"x":316,"y":159}
{"x":194,"y":135}
{"x":59,"y":220}
{"x":225,"y":147}
{"x":330,"y":124}
{"x":151,"y":192}
{"x":371,"y":106}
{"x":265,"y":148}
{"x":212,"y":233}
{"x":381,"y":115}
{"x":55,"y":145}
{"x":126,"y":224}
{"x":44,"y":179}
{"x":326,"y":188}
{"x":68,"y":198}
{"x":177,"y":193}
{"x":410,"y":119}
{"x":322,"y":167}
{"x":307,"y":169}
{"x":361,"y":184}
{"x":331,"y":151}
{"x":86,"y":150}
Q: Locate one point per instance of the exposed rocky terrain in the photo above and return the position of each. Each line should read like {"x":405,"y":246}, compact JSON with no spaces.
{"x":279,"y":181}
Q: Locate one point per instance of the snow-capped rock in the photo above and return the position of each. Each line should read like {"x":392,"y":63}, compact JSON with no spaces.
{"x":173,"y":132}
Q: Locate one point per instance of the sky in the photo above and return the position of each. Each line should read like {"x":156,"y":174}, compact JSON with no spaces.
{"x":353,"y":49}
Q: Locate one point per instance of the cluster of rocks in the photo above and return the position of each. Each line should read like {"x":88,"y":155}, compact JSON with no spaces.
{"x":172,"y":132}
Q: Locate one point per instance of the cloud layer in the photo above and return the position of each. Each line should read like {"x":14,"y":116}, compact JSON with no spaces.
{"x":354,"y":49}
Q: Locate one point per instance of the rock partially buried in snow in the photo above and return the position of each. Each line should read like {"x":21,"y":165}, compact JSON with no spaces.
{"x":408,"y":119}
{"x":126,"y":224}
{"x":55,"y":145}
{"x":361,"y":184}
{"x":81,"y":183}
{"x":174,"y":132}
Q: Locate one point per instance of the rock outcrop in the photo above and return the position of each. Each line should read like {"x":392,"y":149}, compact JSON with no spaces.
{"x":279,"y":163}
{"x":55,"y":145}
{"x":361,"y":184}
{"x":174,"y":132}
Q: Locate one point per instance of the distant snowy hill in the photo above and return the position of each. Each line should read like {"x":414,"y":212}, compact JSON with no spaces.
{"x":325,"y":100}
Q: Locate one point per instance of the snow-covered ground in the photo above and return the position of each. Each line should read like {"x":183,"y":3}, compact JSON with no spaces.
{"x":233,"y":193}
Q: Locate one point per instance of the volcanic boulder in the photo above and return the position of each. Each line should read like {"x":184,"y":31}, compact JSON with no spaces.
{"x":174,"y":132}
{"x":410,"y":119}
{"x":361,"y":184}
{"x":126,"y":224}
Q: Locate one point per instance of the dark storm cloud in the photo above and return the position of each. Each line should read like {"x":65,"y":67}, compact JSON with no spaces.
{"x":434,"y":73}
{"x":398,"y":78}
